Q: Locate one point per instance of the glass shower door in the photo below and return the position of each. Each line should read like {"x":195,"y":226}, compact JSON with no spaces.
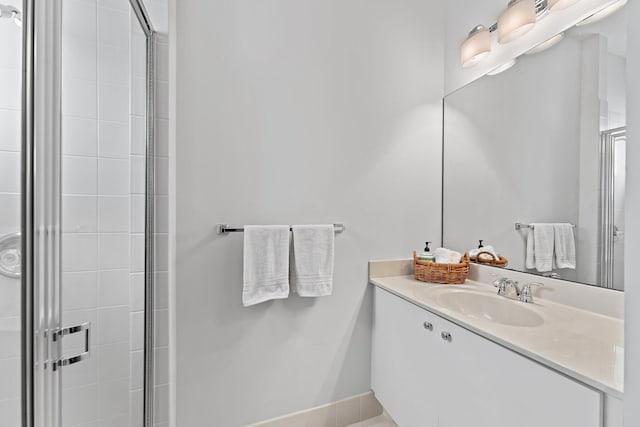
{"x":10,"y":211}
{"x":90,"y":216}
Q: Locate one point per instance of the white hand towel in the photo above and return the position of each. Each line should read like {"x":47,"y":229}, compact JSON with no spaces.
{"x":476,"y":251}
{"x":266,"y":263}
{"x":543,"y":242}
{"x":312,"y":260}
{"x":565,"y":245}
{"x":447,"y":256}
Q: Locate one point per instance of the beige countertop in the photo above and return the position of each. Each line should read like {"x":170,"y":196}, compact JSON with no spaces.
{"x":584,"y":345}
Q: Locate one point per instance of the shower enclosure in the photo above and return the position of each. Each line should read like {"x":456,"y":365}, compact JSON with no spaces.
{"x":76,"y":213}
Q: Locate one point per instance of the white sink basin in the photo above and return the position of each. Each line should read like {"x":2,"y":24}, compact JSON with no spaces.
{"x":493,"y":308}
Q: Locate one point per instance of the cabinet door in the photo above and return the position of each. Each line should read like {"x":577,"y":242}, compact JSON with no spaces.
{"x":404,"y":360}
{"x":487,"y":385}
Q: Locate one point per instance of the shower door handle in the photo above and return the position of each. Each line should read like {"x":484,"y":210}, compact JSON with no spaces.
{"x":60,"y":333}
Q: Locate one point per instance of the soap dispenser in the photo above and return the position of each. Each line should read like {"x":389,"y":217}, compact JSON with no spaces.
{"x":427,"y":255}
{"x":480,"y":246}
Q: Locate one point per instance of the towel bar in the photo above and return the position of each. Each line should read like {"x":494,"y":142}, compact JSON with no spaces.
{"x":520,"y":225}
{"x":225,"y":228}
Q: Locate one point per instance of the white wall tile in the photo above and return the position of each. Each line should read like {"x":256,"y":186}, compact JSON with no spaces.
{"x":138,"y":135}
{"x":138,"y":165}
{"x":114,"y":325}
{"x":114,"y":398}
{"x":137,"y":253}
{"x":79,"y":136}
{"x":81,"y":374}
{"x":79,"y":19}
{"x":113,"y":177}
{"x":136,"y":371}
{"x":113,"y":28}
{"x":79,"y":98}
{"x":161,"y":403}
{"x":79,"y":214}
{"x":161,"y":365}
{"x":10,"y":336}
{"x":162,"y":174}
{"x":113,"y":64}
{"x":9,"y":172}
{"x":137,"y":213}
{"x":162,"y":61}
{"x":10,"y":124}
{"x":114,"y":361}
{"x":79,"y":252}
{"x":136,"y":399}
{"x":79,"y":290}
{"x":113,"y":140}
{"x":161,"y":290}
{"x":10,"y":297}
{"x":113,"y":288}
{"x":113,"y":214}
{"x":137,"y":331}
{"x":162,"y":97}
{"x":138,"y":96}
{"x":9,"y":213}
{"x":161,"y":328}
{"x":11,"y":89}
{"x":79,"y":58}
{"x":10,"y":374}
{"x":79,"y":175}
{"x":113,"y":251}
{"x":136,"y":292}
{"x":121,"y":5}
{"x":113,"y":102}
{"x":10,"y":412}
{"x":11,"y":37}
{"x":138,"y":54}
{"x":85,"y":405}
{"x":161,"y":252}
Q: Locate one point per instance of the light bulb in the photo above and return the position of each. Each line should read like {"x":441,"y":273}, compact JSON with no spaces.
{"x":516,"y":20}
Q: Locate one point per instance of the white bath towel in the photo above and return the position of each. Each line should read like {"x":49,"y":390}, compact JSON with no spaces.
{"x":564,"y":245}
{"x":266,"y":263}
{"x":312,"y":260}
{"x":540,"y":242}
{"x":447,"y":256}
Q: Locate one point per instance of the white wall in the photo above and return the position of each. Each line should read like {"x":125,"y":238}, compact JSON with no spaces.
{"x":632,"y":228}
{"x":294,"y":112}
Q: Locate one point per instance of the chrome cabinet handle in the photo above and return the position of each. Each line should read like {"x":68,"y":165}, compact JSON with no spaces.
{"x":60,"y":333}
{"x":446,"y":336}
{"x":428,"y":326}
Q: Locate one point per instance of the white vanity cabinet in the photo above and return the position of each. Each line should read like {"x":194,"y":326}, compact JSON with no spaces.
{"x":447,"y":376}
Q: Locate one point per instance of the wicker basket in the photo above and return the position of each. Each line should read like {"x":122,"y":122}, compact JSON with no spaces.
{"x":487,"y":258}
{"x":428,"y":271}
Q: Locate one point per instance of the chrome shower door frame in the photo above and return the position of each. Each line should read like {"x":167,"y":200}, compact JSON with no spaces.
{"x":41,"y":210}
{"x":606,"y":238}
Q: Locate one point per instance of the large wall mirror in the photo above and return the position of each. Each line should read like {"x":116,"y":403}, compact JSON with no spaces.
{"x":534,"y":159}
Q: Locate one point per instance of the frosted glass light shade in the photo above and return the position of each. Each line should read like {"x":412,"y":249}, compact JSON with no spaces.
{"x":516,"y":20}
{"x":546,"y":44}
{"x":603,"y":13}
{"x":504,"y":67}
{"x":476,"y":47}
{"x":560,"y":4}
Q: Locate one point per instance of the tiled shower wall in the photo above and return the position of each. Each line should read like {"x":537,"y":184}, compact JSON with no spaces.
{"x":10,"y":63}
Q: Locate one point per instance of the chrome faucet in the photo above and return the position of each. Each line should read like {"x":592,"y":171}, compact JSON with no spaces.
{"x":523,"y":295}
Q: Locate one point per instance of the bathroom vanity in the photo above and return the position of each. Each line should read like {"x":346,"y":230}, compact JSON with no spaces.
{"x":453,"y":356}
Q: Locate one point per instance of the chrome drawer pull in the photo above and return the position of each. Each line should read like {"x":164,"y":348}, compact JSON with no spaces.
{"x":428,"y":326}
{"x":446,"y":336}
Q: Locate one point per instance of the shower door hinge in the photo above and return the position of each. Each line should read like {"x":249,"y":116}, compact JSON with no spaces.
{"x":60,"y":333}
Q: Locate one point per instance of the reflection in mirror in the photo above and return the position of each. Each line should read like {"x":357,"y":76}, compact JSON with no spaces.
{"x":534,"y":159}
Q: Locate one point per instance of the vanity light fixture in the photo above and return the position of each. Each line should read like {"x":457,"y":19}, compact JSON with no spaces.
{"x":516,"y":20}
{"x":501,"y":68}
{"x":612,"y":8}
{"x":476,"y":46}
{"x":546,"y":44}
{"x":560,"y":4}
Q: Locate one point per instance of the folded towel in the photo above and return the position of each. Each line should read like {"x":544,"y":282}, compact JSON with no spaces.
{"x":447,"y":256}
{"x":312,"y":260}
{"x":540,"y":242}
{"x":266,"y":263}
{"x":476,"y":251}
{"x":564,"y":245}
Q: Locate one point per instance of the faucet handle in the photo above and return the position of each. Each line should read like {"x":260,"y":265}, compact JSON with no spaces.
{"x":501,"y":284}
{"x":526,"y":295}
